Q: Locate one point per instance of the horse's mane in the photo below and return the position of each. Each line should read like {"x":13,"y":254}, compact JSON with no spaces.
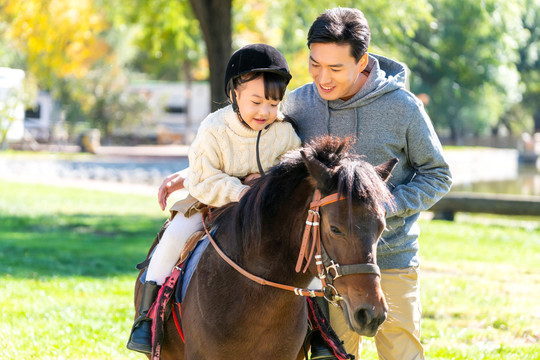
{"x":351,"y":177}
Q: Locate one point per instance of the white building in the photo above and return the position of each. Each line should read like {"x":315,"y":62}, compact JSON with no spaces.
{"x":40,"y":120}
{"x":176,"y":110}
{"x":11,"y":104}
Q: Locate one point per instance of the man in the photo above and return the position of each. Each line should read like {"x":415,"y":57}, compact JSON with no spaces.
{"x":361,"y":94}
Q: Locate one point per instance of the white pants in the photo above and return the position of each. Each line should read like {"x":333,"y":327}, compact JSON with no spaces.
{"x":398,"y":337}
{"x":170,"y":247}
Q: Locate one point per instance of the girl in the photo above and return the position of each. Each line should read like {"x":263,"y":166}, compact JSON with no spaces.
{"x":238,"y":141}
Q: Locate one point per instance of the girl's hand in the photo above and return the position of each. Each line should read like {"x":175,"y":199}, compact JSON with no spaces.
{"x":251,"y":177}
{"x":243,"y":193}
{"x":171,"y":183}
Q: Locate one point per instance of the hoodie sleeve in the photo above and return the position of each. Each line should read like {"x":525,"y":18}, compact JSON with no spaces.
{"x":432,"y":178}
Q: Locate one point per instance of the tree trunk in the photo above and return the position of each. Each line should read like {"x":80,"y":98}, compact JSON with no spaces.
{"x":215,"y":20}
{"x":189,"y":93}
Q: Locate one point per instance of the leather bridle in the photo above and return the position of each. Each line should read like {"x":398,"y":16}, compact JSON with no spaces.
{"x":327,"y":269}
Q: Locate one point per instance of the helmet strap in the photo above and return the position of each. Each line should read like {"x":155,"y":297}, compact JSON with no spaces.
{"x":261,"y":171}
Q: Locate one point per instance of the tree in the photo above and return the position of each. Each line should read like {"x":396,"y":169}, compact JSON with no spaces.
{"x":60,"y":38}
{"x":215,"y":20}
{"x":465,"y":60}
{"x":525,"y":115}
{"x":72,"y":51}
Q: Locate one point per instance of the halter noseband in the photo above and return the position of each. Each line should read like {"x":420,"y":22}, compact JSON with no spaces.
{"x":325,"y":265}
{"x":327,"y":269}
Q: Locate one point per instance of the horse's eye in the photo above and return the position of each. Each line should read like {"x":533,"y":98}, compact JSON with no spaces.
{"x":335,"y":230}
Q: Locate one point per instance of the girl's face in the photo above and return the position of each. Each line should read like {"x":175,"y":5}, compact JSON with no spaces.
{"x":257,"y":111}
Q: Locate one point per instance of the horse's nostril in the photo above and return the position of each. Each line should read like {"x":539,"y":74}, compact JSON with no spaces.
{"x":363,"y":317}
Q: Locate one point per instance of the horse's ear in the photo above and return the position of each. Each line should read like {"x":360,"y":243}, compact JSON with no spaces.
{"x":320,"y":172}
{"x":384,"y":170}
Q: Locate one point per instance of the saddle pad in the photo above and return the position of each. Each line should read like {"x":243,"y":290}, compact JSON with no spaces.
{"x":190,"y":264}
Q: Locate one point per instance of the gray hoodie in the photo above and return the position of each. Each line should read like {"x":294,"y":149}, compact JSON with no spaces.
{"x":387,"y":121}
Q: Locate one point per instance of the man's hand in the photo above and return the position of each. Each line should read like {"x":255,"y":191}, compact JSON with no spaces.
{"x":171,"y":183}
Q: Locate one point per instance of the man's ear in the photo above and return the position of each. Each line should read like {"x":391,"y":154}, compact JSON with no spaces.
{"x":363,"y":62}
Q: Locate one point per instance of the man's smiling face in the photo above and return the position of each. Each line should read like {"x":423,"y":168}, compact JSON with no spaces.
{"x":335,"y":71}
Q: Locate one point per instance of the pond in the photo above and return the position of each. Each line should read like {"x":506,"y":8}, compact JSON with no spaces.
{"x":526,"y":183}
{"x":124,"y":170}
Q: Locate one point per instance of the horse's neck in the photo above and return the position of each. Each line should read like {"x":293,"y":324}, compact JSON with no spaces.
{"x":281,"y":238}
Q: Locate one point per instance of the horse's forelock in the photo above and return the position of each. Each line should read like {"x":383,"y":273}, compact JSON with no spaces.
{"x":330,"y":150}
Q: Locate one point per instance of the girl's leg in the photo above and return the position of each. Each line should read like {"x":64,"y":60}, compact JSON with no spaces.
{"x":164,"y":258}
{"x":170,"y":246}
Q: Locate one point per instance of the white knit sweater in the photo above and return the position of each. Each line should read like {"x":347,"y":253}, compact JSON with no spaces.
{"x":225,"y":149}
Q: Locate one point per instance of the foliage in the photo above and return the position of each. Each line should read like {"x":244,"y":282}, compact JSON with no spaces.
{"x":167,"y":36}
{"x":520,"y":116}
{"x":68,"y":48}
{"x":465,"y":61}
{"x":10,"y":104}
{"x":106,"y":102}
{"x":61,"y":38}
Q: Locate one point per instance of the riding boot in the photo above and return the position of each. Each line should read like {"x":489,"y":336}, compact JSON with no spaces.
{"x":320,"y":350}
{"x":140,"y":338}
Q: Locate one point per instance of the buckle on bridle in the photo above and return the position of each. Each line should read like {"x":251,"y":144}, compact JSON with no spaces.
{"x":314,"y":212}
{"x":331,"y":295}
{"x":334,"y":266}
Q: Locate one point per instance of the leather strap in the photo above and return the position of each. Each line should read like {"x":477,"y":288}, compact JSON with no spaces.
{"x":257,"y":279}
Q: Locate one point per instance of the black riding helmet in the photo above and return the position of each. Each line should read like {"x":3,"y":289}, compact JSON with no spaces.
{"x":255,"y":58}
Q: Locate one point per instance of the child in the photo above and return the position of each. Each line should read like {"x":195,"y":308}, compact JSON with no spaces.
{"x":224,"y":150}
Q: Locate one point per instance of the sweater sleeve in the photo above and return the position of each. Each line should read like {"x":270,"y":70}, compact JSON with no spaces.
{"x":206,"y":181}
{"x":432,"y":178}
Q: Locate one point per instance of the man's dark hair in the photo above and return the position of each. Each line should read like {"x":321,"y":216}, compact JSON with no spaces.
{"x":342,"y":26}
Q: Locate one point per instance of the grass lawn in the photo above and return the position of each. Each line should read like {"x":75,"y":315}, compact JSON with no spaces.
{"x":68,"y":268}
{"x":67,"y":276}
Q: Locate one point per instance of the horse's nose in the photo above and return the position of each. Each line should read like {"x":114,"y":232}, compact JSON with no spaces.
{"x":363,"y":317}
{"x":367,"y":319}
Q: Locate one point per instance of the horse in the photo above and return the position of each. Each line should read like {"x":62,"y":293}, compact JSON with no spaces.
{"x":226,"y":315}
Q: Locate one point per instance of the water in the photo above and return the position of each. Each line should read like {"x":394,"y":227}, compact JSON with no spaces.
{"x":526,"y":183}
{"x":123,"y":170}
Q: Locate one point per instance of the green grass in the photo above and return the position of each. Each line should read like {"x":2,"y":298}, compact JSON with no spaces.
{"x":68,"y":272}
{"x":68,"y":259}
{"x":480,"y":286}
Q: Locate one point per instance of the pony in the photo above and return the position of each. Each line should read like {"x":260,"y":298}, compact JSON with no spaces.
{"x":226,"y":315}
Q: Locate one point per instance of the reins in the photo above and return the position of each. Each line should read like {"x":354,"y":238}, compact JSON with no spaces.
{"x":257,"y":279}
{"x":323,"y":262}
